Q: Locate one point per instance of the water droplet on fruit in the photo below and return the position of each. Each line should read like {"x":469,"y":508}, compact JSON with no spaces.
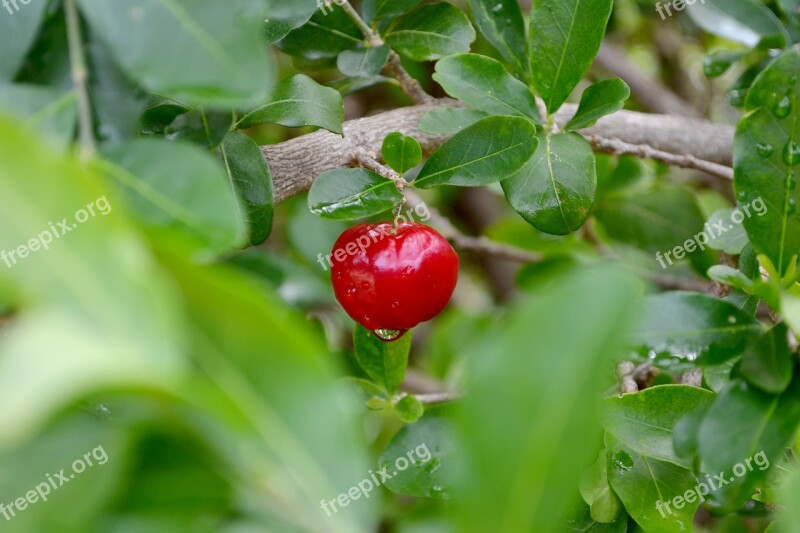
{"x":389,"y":335}
{"x":365,"y":285}
{"x":791,"y":153}
{"x":783,"y":107}
{"x":395,"y":305}
{"x":765,"y":150}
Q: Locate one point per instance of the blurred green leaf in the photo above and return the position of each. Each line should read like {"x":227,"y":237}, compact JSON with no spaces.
{"x":409,"y":409}
{"x":47,"y":111}
{"x":19,"y":25}
{"x":218,"y":47}
{"x":376,"y":10}
{"x":364,"y":62}
{"x":206,"y":129}
{"x":513,"y":479}
{"x":742,"y":21}
{"x":768,"y":363}
{"x":596,"y":492}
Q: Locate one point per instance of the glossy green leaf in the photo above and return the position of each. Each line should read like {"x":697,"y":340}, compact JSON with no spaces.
{"x":695,"y":327}
{"x":484,"y":84}
{"x":217,"y":46}
{"x":488,"y":151}
{"x":299,"y":101}
{"x":746,"y":427}
{"x":249,"y":176}
{"x":514,"y":478}
{"x":177,"y":186}
{"x":583,"y":522}
{"x":326,"y":35}
{"x":376,"y":10}
{"x":50,"y":112}
{"x":603,"y":503}
{"x":363,"y":62}
{"x":19,"y":25}
{"x":349,"y":194}
{"x":206,"y":128}
{"x":565,"y":36}
{"x":644,"y":421}
{"x":400,"y":152}
{"x":502,"y":24}
{"x":742,"y":21}
{"x":598,"y":100}
{"x":430,"y":442}
{"x":555,"y":190}
{"x":766,"y":157}
{"x":768,"y":363}
{"x":384,"y":362}
{"x":432,"y":31}
{"x":449,"y":120}
{"x":643,"y":483}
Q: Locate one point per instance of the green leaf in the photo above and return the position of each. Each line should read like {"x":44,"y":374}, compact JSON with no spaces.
{"x":50,"y":112}
{"x":695,"y":327}
{"x":384,"y":362}
{"x":249,"y":175}
{"x":484,"y":84}
{"x":178,"y":187}
{"x":430,"y":443}
{"x":644,"y":421}
{"x":350,"y":194}
{"x":501,"y":22}
{"x":488,"y":151}
{"x":297,"y":102}
{"x":409,"y":409}
{"x":718,"y":63}
{"x":643,"y":483}
{"x":514,"y":476}
{"x":733,"y":239}
{"x":201,"y":127}
{"x":730,"y":276}
{"x":748,"y":427}
{"x":449,"y":120}
{"x":565,"y":36}
{"x":766,"y":152}
{"x":790,"y":495}
{"x":656,"y":220}
{"x":218,"y":47}
{"x":376,"y":10}
{"x":598,"y":100}
{"x":555,"y":190}
{"x":686,"y":431}
{"x":328,"y":33}
{"x":400,"y":152}
{"x":289,"y":10}
{"x":432,"y":31}
{"x":596,"y":492}
{"x":768,"y":363}
{"x":18,"y":30}
{"x":742,"y":21}
{"x":363,"y":62}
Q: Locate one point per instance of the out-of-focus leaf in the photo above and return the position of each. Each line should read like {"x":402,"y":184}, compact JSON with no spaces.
{"x":363,"y":62}
{"x":768,"y":363}
{"x":19,"y":25}
{"x":742,"y":21}
{"x":49,"y":112}
{"x":384,"y":362}
{"x":597,"y":493}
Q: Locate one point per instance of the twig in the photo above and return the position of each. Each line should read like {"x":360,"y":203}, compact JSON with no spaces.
{"x":368,"y":161}
{"x":394,"y":66}
{"x":79,"y":79}
{"x":618,"y":147}
{"x":440,"y":397}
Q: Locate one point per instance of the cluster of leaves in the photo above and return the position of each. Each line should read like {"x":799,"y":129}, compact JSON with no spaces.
{"x":225,"y":412}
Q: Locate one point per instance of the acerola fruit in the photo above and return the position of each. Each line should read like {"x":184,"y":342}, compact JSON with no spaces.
{"x":391,"y":280}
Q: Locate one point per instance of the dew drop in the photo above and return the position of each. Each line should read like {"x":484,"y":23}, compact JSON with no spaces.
{"x":389,"y":335}
{"x":791,"y":153}
{"x":741,"y":195}
{"x":395,"y":305}
{"x":792,"y":207}
{"x":434,"y":465}
{"x":622,"y":461}
{"x":783,"y":107}
{"x":791,"y":182}
{"x":437,"y":491}
{"x":765,"y":150}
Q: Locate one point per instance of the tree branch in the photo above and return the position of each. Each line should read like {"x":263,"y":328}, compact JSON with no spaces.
{"x":295,"y":163}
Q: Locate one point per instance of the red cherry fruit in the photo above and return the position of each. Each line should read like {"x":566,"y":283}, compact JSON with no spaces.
{"x":391,"y":280}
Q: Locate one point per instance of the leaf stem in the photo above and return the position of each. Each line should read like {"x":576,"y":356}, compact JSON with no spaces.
{"x":80,"y":76}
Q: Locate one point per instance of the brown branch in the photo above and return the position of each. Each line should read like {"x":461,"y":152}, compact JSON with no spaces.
{"x":617,"y":147}
{"x":295,"y":163}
